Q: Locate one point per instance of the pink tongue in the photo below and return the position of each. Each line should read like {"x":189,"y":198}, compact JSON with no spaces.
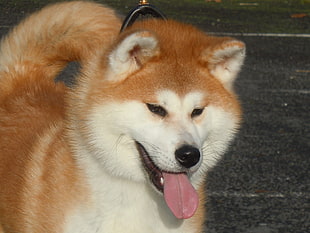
{"x":180,"y":195}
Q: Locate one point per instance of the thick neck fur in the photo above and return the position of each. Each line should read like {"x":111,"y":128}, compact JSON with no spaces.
{"x":118,"y":205}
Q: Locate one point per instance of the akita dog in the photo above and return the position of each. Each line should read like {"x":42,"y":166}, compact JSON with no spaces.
{"x":127,"y":148}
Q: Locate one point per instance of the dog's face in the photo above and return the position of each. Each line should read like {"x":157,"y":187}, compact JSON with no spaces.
{"x":159,"y":107}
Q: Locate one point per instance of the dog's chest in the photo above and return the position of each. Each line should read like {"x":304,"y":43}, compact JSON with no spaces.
{"x":120,"y":221}
{"x":136,"y":212}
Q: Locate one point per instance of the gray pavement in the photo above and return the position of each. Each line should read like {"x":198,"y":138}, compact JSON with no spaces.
{"x":262,"y":185}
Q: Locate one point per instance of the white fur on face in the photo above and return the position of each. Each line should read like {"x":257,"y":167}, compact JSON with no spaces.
{"x":115,"y":127}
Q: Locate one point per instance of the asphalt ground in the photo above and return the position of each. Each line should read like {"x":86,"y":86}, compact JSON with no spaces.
{"x":262,"y":184}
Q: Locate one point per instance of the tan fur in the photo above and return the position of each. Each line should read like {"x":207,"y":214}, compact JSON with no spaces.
{"x":40,"y":179}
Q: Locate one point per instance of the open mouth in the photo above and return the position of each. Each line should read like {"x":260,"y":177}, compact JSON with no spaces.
{"x":155,"y":174}
{"x":179,"y":194}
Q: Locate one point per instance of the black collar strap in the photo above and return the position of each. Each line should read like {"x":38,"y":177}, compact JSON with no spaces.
{"x":144,"y":8}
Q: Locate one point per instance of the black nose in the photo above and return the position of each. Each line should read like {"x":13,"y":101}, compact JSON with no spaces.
{"x":188,"y":156}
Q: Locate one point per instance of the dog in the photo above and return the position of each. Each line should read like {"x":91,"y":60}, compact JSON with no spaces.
{"x":128,"y":146}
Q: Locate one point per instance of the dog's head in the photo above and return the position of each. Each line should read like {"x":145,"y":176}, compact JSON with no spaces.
{"x":158,"y":107}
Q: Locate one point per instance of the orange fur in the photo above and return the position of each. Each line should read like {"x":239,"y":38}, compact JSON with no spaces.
{"x":39,"y":178}
{"x":144,"y":85}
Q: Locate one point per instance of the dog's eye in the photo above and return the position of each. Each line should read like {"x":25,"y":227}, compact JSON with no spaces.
{"x":196,"y":112}
{"x":156,"y":109}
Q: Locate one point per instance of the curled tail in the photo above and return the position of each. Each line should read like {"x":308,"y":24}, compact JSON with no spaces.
{"x":47,"y":40}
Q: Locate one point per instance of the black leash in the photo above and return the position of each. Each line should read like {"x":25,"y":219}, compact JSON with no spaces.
{"x":143,"y":8}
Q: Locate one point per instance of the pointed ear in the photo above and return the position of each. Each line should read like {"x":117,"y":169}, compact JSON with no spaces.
{"x":131,"y":53}
{"x":225,"y":61}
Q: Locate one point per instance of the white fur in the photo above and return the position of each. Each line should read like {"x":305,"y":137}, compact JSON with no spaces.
{"x":123,"y":199}
{"x":123,"y":206}
{"x":121,"y":60}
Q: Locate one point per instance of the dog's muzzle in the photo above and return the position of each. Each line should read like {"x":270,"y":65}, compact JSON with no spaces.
{"x":179,"y":194}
